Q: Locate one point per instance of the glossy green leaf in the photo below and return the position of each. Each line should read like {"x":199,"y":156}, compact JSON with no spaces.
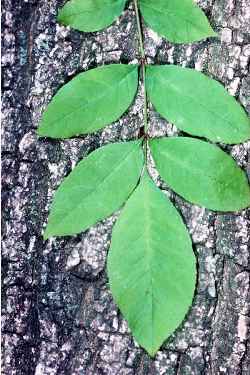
{"x":90,"y":101}
{"x":97,"y":186}
{"x":201,"y":173}
{"x":180,"y":21}
{"x":151,"y":266}
{"x":90,"y":15}
{"x":197,"y":104}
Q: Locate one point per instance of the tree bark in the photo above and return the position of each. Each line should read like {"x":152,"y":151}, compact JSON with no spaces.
{"x":58,"y":313}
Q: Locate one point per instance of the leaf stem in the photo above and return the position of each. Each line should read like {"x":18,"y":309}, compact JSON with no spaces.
{"x":139,"y":29}
{"x":143,"y":70}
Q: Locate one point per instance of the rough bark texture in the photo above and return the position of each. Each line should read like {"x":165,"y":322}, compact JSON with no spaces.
{"x":58,"y":313}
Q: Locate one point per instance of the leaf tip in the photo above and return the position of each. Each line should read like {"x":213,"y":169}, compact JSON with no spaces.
{"x":60,"y":16}
{"x":152,"y":349}
{"x":45,"y":131}
{"x":47,"y":234}
{"x":39,"y":132}
{"x":152,"y":352}
{"x":42,"y":128}
{"x":213,"y":34}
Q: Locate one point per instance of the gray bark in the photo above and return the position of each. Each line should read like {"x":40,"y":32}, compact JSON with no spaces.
{"x":58,"y":313}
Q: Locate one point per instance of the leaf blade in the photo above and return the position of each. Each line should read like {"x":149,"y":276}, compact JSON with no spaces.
{"x":144,"y":287}
{"x":97,"y":187}
{"x":206,"y":111}
{"x":185,"y":20}
{"x":201,"y":173}
{"x":90,"y":101}
{"x":89,"y":15}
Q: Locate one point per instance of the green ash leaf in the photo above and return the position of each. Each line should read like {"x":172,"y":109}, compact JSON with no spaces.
{"x":197,"y":104}
{"x":97,"y":186}
{"x":90,"y":101}
{"x":90,"y":15}
{"x":151,"y":266}
{"x":201,"y":173}
{"x":180,"y":21}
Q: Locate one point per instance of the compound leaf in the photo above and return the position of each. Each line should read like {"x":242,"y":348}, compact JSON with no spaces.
{"x":197,"y":104}
{"x":90,"y":101}
{"x":90,"y":15}
{"x":180,"y":21}
{"x":98,"y":186}
{"x":151,"y":266}
{"x":201,"y":173}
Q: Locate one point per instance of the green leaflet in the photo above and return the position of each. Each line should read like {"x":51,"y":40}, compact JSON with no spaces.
{"x":180,"y":21}
{"x":98,"y":186}
{"x":197,"y":104}
{"x":90,"y":101}
{"x":202,"y":173}
{"x":151,"y":266}
{"x":90,"y":15}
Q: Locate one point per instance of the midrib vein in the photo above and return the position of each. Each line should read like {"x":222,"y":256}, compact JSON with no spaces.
{"x":150,"y":256}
